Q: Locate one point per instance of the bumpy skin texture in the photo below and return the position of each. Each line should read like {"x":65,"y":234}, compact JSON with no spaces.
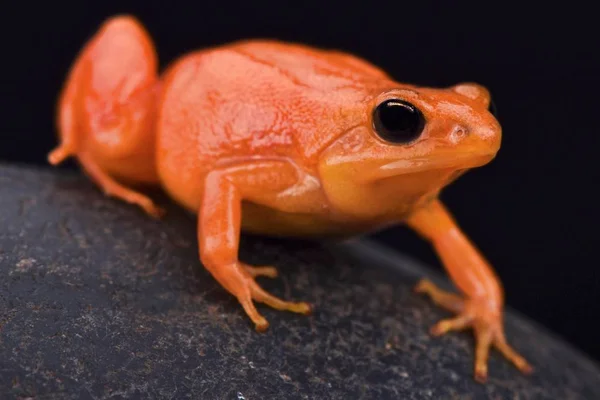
{"x":278,"y":138}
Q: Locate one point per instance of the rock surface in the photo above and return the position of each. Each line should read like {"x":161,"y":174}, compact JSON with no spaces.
{"x":97,"y":301}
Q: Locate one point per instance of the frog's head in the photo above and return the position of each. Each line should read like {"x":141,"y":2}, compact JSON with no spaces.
{"x":407,"y":145}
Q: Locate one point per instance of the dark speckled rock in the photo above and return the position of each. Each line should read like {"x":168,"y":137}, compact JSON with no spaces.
{"x":97,"y":301}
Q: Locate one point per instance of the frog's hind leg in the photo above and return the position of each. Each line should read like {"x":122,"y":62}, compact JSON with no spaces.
{"x":107,"y":109}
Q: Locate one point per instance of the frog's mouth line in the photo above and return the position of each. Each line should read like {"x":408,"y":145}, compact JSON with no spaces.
{"x":416,"y":165}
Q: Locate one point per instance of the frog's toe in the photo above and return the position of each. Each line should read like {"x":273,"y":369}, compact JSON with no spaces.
{"x":267,"y":271}
{"x":450,"y":301}
{"x":259,"y":321}
{"x":259,"y":294}
{"x":59,"y":154}
{"x":489,"y":333}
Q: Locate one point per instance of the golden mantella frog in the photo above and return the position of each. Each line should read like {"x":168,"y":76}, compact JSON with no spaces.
{"x":284,"y":139}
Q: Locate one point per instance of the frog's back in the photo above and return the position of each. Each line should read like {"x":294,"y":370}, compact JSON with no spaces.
{"x":261,"y":97}
{"x":255,"y":99}
{"x":312,"y":67}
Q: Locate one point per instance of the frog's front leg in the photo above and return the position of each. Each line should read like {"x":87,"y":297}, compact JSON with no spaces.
{"x":219,"y":225}
{"x":481,"y":308}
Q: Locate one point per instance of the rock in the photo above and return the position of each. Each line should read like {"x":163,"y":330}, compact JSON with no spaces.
{"x":99,"y":301}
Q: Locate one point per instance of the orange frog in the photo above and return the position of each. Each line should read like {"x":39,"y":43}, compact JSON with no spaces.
{"x":285,"y":139}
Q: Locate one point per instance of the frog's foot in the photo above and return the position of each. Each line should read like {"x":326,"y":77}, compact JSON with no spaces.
{"x":239,"y":279}
{"x":108,"y":184}
{"x":114,"y":189}
{"x":485,"y":321}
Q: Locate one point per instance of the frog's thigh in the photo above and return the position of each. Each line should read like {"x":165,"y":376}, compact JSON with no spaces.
{"x":108,"y":104}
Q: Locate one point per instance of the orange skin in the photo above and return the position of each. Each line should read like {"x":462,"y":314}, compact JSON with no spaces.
{"x":283,"y":136}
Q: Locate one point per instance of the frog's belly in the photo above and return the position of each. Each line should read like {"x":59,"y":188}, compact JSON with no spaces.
{"x":267,"y":221}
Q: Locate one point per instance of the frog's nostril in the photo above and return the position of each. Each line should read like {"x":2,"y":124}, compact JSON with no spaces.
{"x":458,"y":133}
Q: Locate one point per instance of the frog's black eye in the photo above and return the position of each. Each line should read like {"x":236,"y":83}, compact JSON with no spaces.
{"x":492,"y":108}
{"x":398,"y":121}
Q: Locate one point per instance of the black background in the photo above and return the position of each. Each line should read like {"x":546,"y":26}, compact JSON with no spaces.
{"x":533,"y":211}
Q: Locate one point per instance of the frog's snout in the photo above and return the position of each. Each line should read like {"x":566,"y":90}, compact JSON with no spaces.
{"x":475,"y":128}
{"x":476,"y":135}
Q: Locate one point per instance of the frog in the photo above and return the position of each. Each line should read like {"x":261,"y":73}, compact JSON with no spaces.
{"x":285,"y":139}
